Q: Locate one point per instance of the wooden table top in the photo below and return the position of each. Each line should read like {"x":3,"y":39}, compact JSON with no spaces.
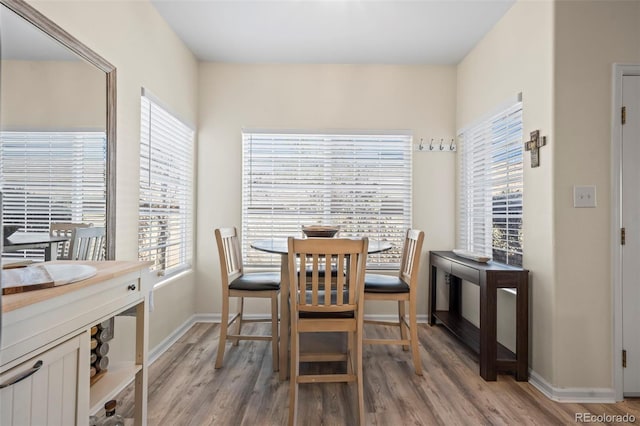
{"x":105,"y":270}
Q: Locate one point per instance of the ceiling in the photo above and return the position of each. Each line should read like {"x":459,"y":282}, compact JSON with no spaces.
{"x":332,"y":31}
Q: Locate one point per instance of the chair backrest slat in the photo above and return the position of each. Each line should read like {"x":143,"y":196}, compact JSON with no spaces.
{"x":411,"y":252}
{"x":340,"y":279}
{"x":328,"y":287}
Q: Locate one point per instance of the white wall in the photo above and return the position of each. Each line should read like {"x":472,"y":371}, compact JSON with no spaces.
{"x":146,"y":53}
{"x":319,"y":97}
{"x":516,"y":56}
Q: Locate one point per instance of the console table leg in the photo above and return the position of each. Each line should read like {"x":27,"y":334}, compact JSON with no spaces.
{"x":488,"y":338}
{"x":522,"y":331}
{"x":432,"y":295}
{"x":455,"y":295}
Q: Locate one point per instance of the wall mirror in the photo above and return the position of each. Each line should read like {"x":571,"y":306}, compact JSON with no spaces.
{"x":57,"y":128}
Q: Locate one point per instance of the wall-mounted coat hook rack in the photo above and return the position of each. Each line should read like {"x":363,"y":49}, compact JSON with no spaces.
{"x":436,"y":144}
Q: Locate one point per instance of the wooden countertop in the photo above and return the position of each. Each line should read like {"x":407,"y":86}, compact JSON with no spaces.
{"x":105,"y":270}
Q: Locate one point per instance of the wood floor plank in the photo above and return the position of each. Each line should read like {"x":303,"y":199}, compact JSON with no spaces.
{"x":185,"y":389}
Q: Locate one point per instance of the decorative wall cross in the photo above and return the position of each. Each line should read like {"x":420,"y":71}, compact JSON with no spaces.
{"x":534,"y":146}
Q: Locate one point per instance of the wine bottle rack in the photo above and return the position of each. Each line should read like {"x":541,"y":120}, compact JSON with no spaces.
{"x":101,"y":334}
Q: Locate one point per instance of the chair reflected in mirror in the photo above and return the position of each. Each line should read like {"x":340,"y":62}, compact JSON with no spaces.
{"x":88,"y":243}
{"x":65,"y":229}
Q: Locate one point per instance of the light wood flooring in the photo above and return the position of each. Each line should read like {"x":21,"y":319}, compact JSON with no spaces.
{"x":185,"y":389}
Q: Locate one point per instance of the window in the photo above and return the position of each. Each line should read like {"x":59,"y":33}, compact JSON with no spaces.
{"x":490,"y":187}
{"x":52,"y":177}
{"x":360,"y":182}
{"x":166,"y":189}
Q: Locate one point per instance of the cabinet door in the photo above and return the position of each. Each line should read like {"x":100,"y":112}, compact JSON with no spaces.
{"x":43,"y":390}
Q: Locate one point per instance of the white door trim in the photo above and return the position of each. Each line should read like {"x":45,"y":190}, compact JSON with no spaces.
{"x":619,"y":70}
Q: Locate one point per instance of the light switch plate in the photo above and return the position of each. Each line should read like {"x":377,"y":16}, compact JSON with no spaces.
{"x":584,"y":196}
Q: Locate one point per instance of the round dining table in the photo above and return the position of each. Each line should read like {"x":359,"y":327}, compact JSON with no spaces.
{"x":280,"y":246}
{"x":34,"y":240}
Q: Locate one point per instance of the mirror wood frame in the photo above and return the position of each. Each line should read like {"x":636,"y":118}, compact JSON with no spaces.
{"x":37,"y":19}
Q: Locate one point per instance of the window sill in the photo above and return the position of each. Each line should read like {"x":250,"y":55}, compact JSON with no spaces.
{"x":169,"y":279}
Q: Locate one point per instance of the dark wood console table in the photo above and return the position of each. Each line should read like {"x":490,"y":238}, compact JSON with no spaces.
{"x":490,"y":277}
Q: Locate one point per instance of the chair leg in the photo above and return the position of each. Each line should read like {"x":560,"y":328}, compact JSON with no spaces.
{"x":360,"y":378}
{"x":402,"y":324}
{"x":274,"y":331}
{"x":351,"y":352}
{"x":293,"y":377}
{"x":413,"y":329}
{"x":224,"y":324}
{"x":240,"y":316}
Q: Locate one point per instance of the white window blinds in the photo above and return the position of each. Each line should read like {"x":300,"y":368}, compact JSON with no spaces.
{"x":360,"y":182}
{"x":490,"y":187}
{"x":52,"y":177}
{"x":165,"y":231}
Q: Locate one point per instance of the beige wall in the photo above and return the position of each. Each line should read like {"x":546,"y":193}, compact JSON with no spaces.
{"x":590,"y":37}
{"x":134,"y":37}
{"x":507,"y":61}
{"x":51,"y":95}
{"x":316,"y":98}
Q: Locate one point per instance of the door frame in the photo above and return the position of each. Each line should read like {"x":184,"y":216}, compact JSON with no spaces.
{"x":619,"y":70}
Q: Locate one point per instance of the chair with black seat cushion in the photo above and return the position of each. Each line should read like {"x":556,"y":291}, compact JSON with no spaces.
{"x":237,"y":283}
{"x":401,"y":288}
{"x":326,"y":303}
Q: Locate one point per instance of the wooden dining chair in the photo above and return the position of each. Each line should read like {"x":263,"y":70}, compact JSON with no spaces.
{"x":65,"y":229}
{"x":237,"y":283}
{"x":321,"y":303}
{"x":401,"y":288}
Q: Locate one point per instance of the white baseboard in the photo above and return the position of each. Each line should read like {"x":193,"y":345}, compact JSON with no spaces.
{"x":208,"y":317}
{"x":579,"y":395}
{"x":155,"y":353}
{"x":421,"y":319}
{"x":216,"y":317}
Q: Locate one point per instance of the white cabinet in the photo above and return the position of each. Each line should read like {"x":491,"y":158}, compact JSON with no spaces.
{"x":44,"y":390}
{"x":48,"y":332}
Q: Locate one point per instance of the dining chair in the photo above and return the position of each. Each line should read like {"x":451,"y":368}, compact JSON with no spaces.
{"x":65,"y":229}
{"x":321,"y":303}
{"x":88,"y":243}
{"x":237,"y":283}
{"x":401,"y":288}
